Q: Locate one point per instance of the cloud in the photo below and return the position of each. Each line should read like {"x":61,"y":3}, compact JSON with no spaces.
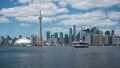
{"x":114,"y":15}
{"x":4,"y":19}
{"x":29,"y":13}
{"x":88,"y":4}
{"x":28,"y":19}
{"x":24,"y":24}
{"x":95,"y":18}
{"x":56,"y":29}
{"x":24,"y":1}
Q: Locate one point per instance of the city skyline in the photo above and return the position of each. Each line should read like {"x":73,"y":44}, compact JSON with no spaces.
{"x":20,"y":17}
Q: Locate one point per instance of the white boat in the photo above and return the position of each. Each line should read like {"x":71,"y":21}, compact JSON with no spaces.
{"x":80,"y":44}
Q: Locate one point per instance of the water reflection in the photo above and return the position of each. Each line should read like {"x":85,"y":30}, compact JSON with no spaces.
{"x":59,"y":57}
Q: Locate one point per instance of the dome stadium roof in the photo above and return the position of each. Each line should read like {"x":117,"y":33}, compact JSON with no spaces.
{"x":22,"y":41}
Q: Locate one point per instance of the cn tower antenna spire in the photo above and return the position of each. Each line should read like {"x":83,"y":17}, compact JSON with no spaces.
{"x":40,"y":34}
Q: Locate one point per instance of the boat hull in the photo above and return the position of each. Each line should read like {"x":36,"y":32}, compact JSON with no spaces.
{"x":80,"y":46}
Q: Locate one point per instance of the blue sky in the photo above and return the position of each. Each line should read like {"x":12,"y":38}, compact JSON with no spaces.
{"x":20,"y":17}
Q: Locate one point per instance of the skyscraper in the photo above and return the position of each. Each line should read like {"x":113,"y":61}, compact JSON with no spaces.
{"x":47,"y":35}
{"x":61,"y":38}
{"x":70,"y":36}
{"x":74,"y":32}
{"x":56,"y":35}
{"x":112,"y":32}
{"x":40,"y":34}
{"x":66,"y":41}
{"x":107,"y":37}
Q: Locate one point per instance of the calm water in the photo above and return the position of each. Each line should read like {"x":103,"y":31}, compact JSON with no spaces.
{"x":60,"y":57}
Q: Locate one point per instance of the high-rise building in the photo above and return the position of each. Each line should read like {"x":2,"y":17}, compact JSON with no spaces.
{"x":47,"y":35}
{"x":111,"y":37}
{"x":2,"y":40}
{"x":115,"y":40}
{"x":61,"y":38}
{"x":107,"y":37}
{"x":70,"y":31}
{"x":66,"y":41}
{"x":78,"y":36}
{"x":74,"y":32}
{"x":53,"y":41}
{"x":112,"y":32}
{"x":70,"y":36}
{"x":88,"y":38}
{"x":98,"y":38}
{"x":56,"y":35}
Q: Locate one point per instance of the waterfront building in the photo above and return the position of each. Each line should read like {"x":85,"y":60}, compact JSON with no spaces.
{"x":107,"y":37}
{"x":112,"y":32}
{"x":34,"y":39}
{"x":61,"y":38}
{"x":47,"y":35}
{"x":20,"y":36}
{"x":115,"y":40}
{"x":78,"y":36}
{"x":53,"y":41}
{"x":98,"y":39}
{"x":70,"y":36}
{"x":56,"y":35}
{"x":2,"y":40}
{"x":66,"y":41}
{"x":74,"y":32}
{"x":88,"y":38}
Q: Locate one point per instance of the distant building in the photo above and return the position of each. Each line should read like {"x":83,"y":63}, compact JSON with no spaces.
{"x":47,"y":35}
{"x":78,"y":36}
{"x":53,"y":41}
{"x":112,"y":32}
{"x":115,"y":40}
{"x":88,"y":38}
{"x":61,"y":39}
{"x":70,"y":36}
{"x":74,"y":32}
{"x":2,"y":40}
{"x":34,"y":39}
{"x":98,"y":39}
{"x":107,"y":37}
{"x":66,"y":41}
{"x":56,"y":35}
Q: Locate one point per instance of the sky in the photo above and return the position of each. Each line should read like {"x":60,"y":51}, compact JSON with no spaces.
{"x":20,"y":17}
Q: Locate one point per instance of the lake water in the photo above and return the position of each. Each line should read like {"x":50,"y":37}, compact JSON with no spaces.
{"x":60,"y":57}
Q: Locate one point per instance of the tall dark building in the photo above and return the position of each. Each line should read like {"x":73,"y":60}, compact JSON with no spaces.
{"x":20,"y":36}
{"x":56,"y":35}
{"x":70,"y":31}
{"x":74,"y":32}
{"x":107,"y":33}
{"x":78,"y":37}
{"x":61,"y":35}
{"x":112,"y":32}
{"x":70,"y":36}
{"x":61,"y":38}
{"x":66,"y":41}
{"x":47,"y":35}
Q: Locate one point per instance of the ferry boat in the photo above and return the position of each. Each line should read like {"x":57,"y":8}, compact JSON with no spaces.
{"x":80,"y":44}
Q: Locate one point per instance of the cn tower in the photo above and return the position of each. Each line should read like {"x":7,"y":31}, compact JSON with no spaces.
{"x":40,"y":34}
